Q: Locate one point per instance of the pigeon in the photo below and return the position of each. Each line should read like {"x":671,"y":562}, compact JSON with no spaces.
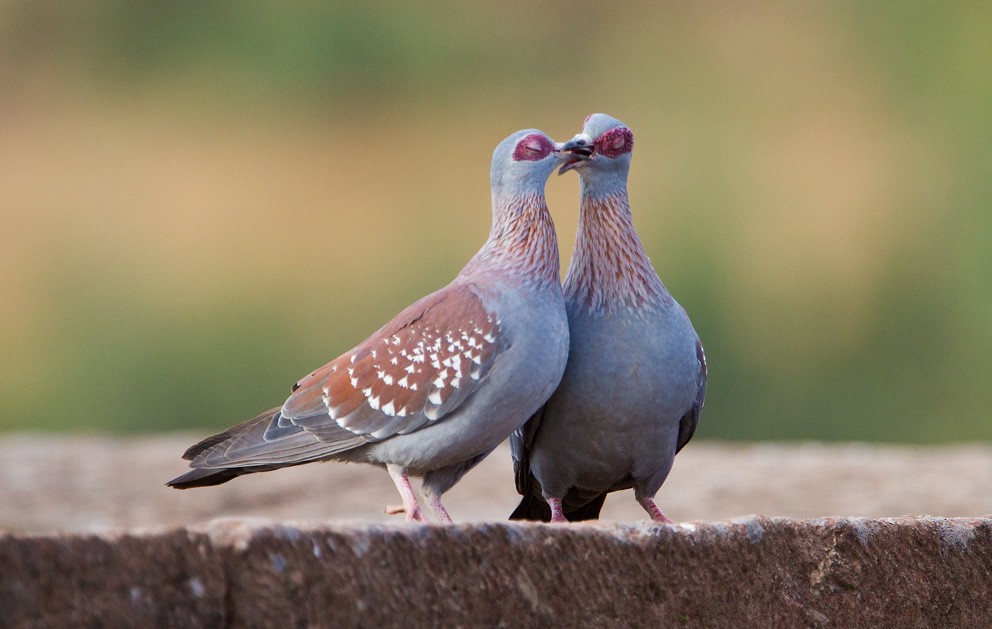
{"x":435,"y":390}
{"x":635,"y":381}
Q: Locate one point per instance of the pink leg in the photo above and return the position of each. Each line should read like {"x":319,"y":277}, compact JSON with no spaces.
{"x":557,"y":515}
{"x":434,"y":502}
{"x":402,"y":483}
{"x":652,"y":508}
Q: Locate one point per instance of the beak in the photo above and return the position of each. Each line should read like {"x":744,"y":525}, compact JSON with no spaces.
{"x":577,"y":151}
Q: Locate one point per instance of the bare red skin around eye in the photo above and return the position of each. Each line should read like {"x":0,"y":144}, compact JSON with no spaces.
{"x":615,"y":142}
{"x":523,"y":149}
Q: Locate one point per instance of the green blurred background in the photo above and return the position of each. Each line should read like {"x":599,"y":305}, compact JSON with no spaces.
{"x":201,"y":202}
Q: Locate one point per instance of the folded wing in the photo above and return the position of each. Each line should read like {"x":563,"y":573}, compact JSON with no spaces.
{"x":415,"y":370}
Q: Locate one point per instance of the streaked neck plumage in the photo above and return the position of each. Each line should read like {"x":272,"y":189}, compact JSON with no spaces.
{"x":522,"y":241}
{"x":610,"y":269}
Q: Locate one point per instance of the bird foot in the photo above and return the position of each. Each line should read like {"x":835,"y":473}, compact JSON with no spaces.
{"x":557,"y":514}
{"x":413,"y":515}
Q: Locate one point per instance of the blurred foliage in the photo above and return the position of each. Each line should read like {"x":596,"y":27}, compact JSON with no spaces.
{"x":201,"y":202}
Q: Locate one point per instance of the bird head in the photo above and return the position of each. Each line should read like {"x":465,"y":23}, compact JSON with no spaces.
{"x":602,"y":150}
{"x":523,"y":162}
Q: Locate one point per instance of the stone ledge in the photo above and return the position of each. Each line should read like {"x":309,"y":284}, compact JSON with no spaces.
{"x":751,"y":571}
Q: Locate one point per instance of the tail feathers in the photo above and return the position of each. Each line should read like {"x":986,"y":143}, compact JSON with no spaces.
{"x":198,"y":448}
{"x":210,"y":476}
{"x":588,"y":511}
{"x":576,"y":507}
{"x":533,"y":508}
{"x":251,"y":430}
{"x":244,"y":449}
{"x":205,"y":478}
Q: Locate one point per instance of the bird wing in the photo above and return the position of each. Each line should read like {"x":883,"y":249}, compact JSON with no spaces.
{"x":687,"y":425}
{"x":416,"y":369}
{"x":521,"y":441}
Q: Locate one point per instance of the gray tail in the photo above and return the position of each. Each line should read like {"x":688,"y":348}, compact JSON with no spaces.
{"x":244,"y":449}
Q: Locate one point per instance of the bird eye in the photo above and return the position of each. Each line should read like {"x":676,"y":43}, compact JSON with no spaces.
{"x":532,"y":148}
{"x":615,"y":142}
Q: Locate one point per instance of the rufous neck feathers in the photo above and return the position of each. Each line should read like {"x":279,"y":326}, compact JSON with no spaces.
{"x":610,"y":269}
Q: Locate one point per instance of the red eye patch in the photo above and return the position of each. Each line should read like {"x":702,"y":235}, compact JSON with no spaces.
{"x":615,"y":142}
{"x":532,"y":148}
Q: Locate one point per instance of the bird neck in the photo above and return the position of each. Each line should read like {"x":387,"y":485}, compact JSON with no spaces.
{"x":522,"y":240}
{"x":609,"y":268}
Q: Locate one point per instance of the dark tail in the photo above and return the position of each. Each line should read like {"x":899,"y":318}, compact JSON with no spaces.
{"x":532,"y":507}
{"x":588,"y":511}
{"x":576,"y":509}
{"x":205,"y":478}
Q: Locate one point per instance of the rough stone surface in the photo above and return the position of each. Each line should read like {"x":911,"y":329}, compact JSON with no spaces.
{"x":754,"y":571}
{"x":89,"y":484}
{"x":172,"y":579}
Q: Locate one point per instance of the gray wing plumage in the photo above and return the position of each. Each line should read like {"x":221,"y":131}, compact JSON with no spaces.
{"x":242,"y":450}
{"x":687,"y":425}
{"x":520,"y":444}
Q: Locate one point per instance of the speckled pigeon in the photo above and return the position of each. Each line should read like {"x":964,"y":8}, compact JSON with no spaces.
{"x":636,"y":375}
{"x":436,"y":389}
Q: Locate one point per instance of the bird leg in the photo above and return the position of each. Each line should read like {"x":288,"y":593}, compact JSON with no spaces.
{"x":557,"y":515}
{"x":652,"y":508}
{"x":410,"y":505}
{"x":434,"y":502}
{"x":440,"y":480}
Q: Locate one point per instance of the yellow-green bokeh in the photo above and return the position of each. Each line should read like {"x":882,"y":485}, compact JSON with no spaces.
{"x":201,"y":202}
